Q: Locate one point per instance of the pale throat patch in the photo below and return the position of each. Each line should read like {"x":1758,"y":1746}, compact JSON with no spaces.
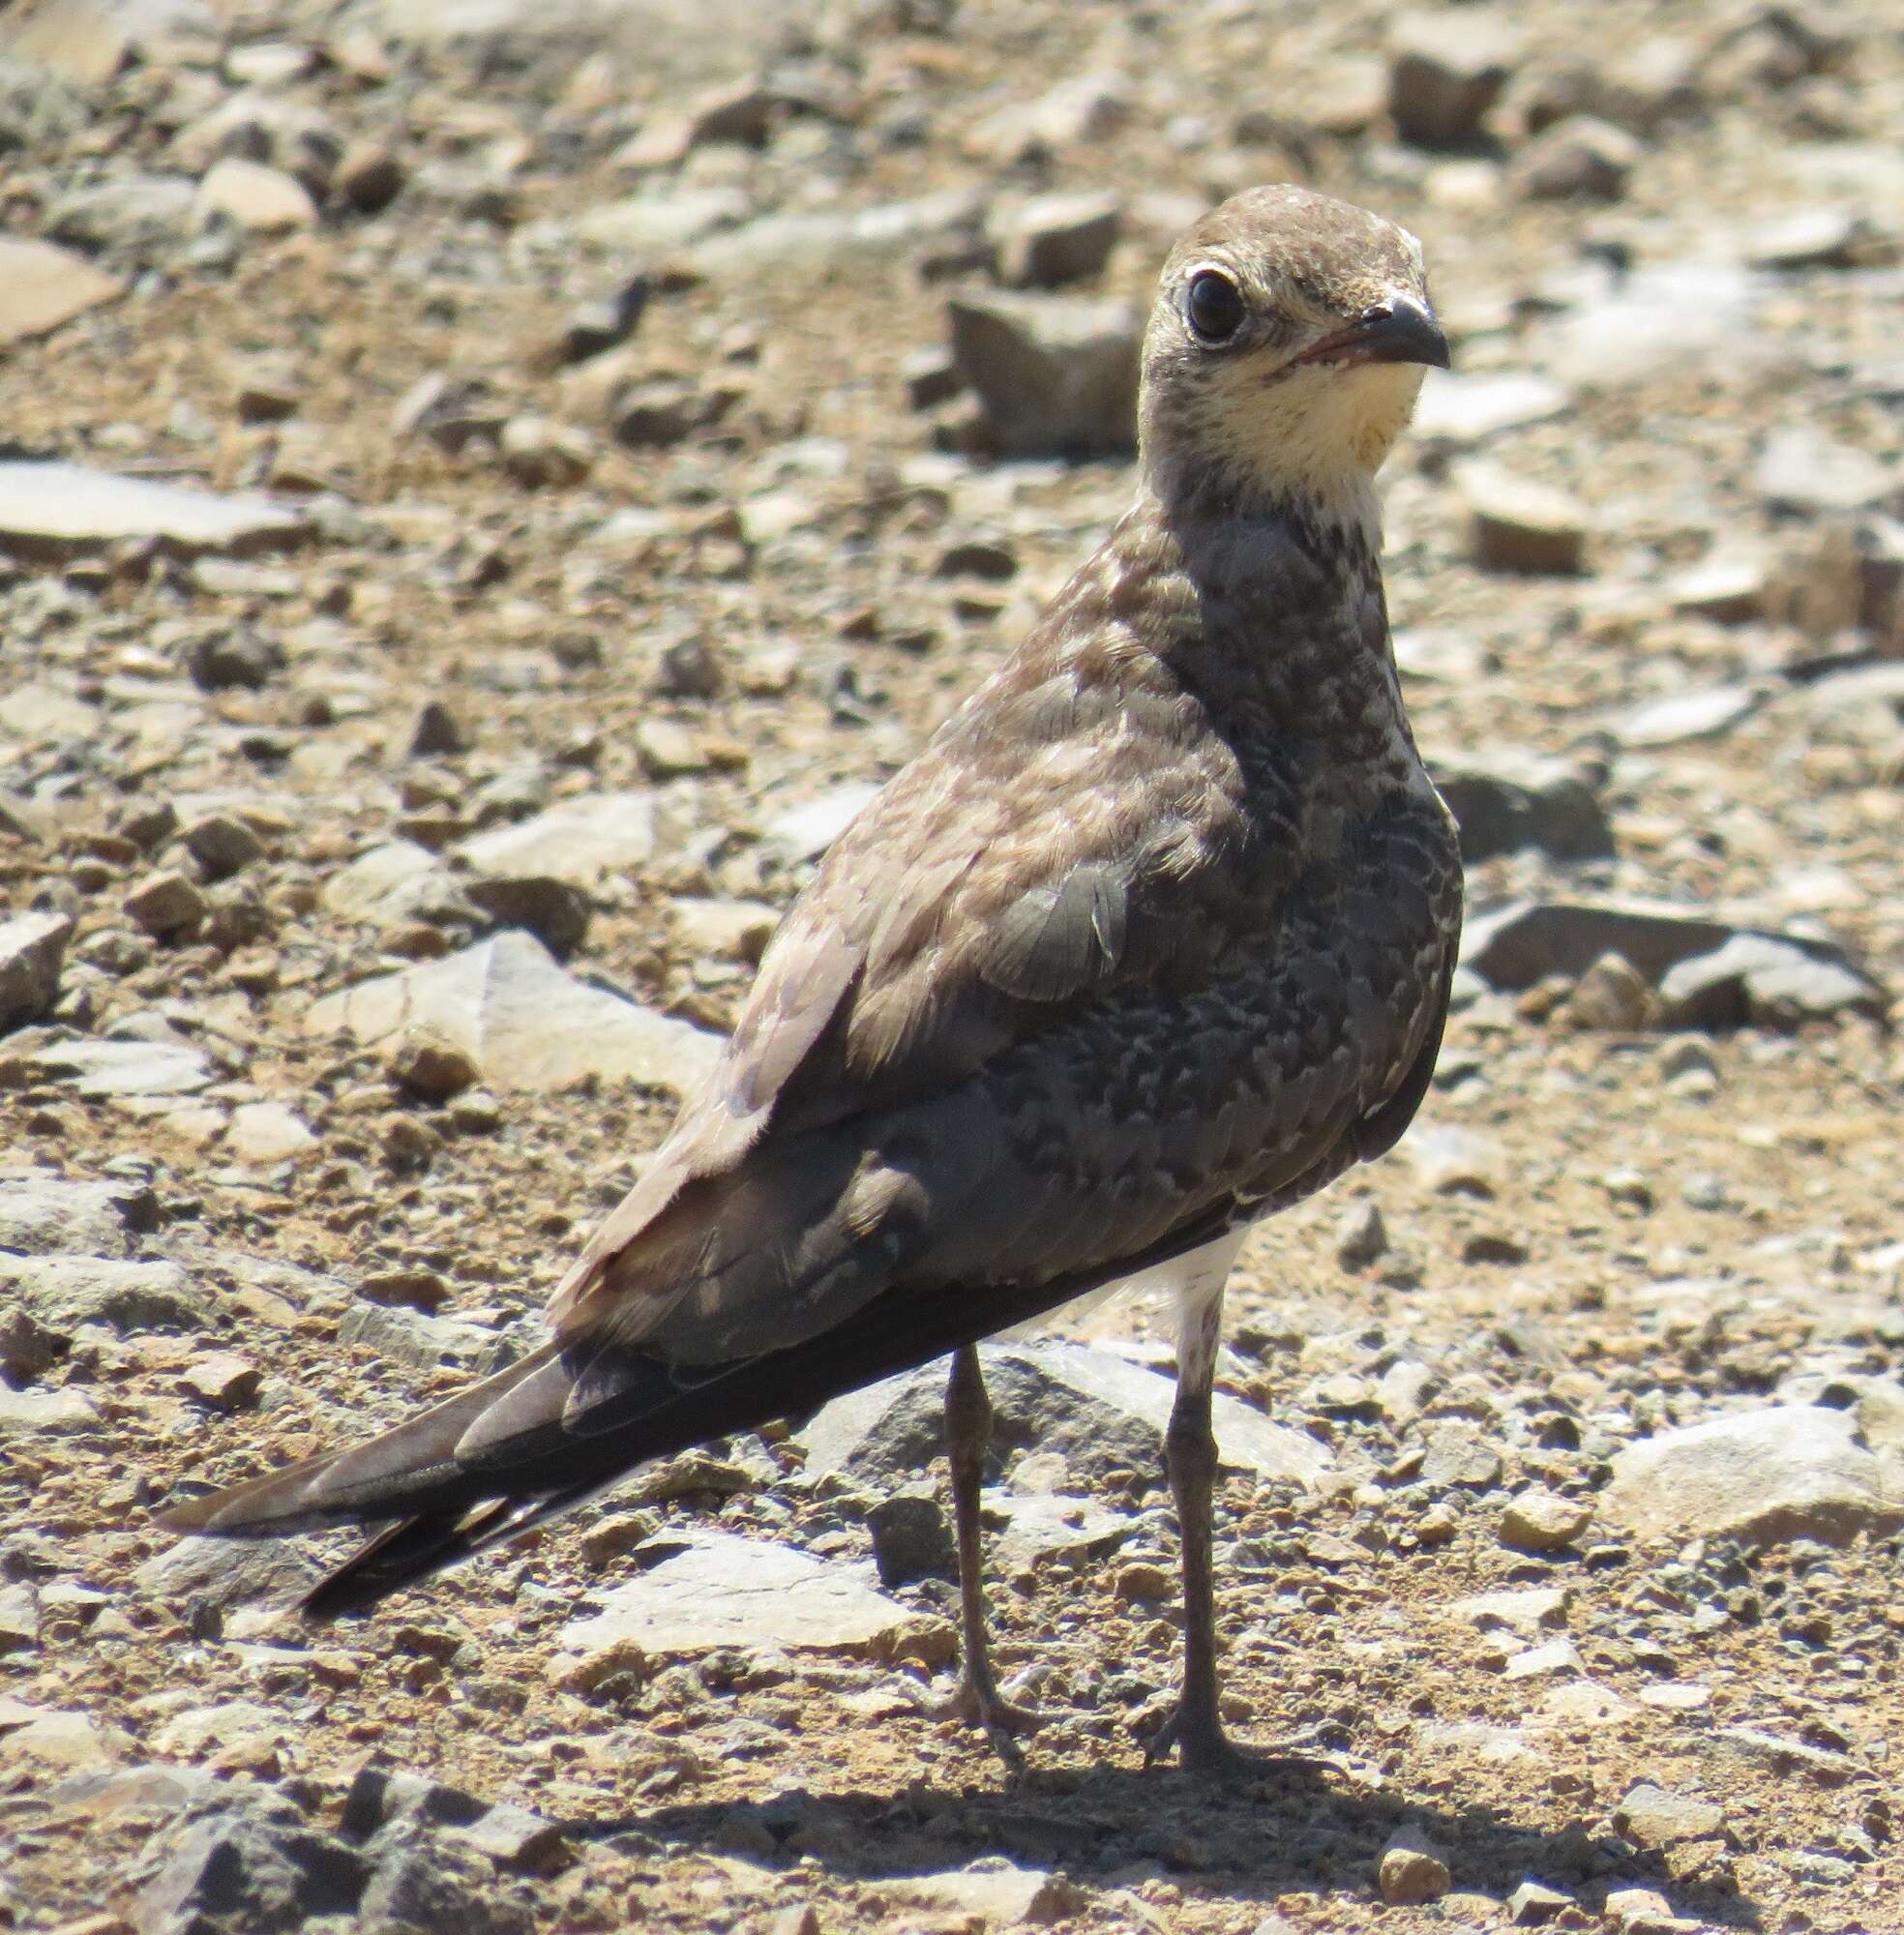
{"x":1321,"y":432}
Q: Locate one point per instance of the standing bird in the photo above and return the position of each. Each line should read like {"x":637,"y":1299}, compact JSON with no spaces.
{"x":1154,"y":939}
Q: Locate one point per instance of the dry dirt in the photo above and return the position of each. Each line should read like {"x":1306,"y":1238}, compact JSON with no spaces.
{"x":1647,"y":1228}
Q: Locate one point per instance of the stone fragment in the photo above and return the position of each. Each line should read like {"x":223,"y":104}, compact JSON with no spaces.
{"x":430,"y":1067}
{"x":43,"y":1216}
{"x":1053,"y":376}
{"x":224,"y":1865}
{"x":224,"y":1573}
{"x":25,"y":1412}
{"x":1506,"y":800}
{"x":261,"y":200}
{"x":1772,"y":1474}
{"x":1098,"y":1411}
{"x":804,"y":832}
{"x":1520,"y":942}
{"x":1534,"y":1902}
{"x":726,"y":1590}
{"x":1753,"y":1748}
{"x":557,"y":912}
{"x":1808,"y":471}
{"x":1445,"y":72}
{"x":222,"y":843}
{"x":58,"y":1737}
{"x":525,"y":1022}
{"x":52,"y":512}
{"x":1763,"y":980}
{"x":1519,"y":524}
{"x":165,"y":905}
{"x":993,"y":1893}
{"x":267,"y":1132}
{"x":32,"y":950}
{"x":41,"y":286}
{"x":1412,"y":1870}
{"x":426,"y":1341}
{"x":1578,"y":159}
{"x":1538,"y":1520}
{"x":221,"y":1380}
{"x":1462,"y":410}
{"x":586,"y":841}
{"x":134,"y":217}
{"x":369,"y":175}
{"x":1053,"y":239}
{"x":63,"y":1292}
{"x":1655,"y":1817}
{"x":1686,"y":716}
{"x":650,"y":224}
{"x":1086,"y":107}
{"x":540,"y":453}
{"x":912,"y":1539}
{"x":94,"y":1068}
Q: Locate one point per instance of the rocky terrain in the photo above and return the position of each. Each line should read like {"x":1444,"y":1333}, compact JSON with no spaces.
{"x":487,"y":489}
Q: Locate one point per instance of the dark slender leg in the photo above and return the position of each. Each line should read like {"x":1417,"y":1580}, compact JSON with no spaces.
{"x":969,"y":1430}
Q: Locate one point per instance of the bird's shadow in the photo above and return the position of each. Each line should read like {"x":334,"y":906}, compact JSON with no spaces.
{"x":1106,"y":1826}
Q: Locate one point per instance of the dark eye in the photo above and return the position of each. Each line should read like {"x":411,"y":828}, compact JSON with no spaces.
{"x":1213,"y":306}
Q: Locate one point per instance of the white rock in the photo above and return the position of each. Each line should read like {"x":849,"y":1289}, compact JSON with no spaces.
{"x":1784,"y":1472}
{"x":264,"y":200}
{"x":597,"y":837}
{"x":728,"y":1590}
{"x":54,"y":511}
{"x":525,"y":1023}
{"x":42,"y":286}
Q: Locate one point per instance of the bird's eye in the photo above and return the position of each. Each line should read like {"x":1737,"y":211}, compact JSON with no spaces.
{"x":1213,"y":306}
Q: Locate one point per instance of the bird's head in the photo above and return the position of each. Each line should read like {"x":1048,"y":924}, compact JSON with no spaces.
{"x":1285,"y":352}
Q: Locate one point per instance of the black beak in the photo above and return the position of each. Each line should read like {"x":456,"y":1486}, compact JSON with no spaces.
{"x":1399,"y":329}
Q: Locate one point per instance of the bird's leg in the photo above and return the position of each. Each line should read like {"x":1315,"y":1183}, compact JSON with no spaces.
{"x":1195,"y":1729}
{"x":977,"y":1700}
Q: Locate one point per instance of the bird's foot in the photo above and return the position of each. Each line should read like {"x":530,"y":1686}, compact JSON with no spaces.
{"x":1204,"y":1747}
{"x":979,"y":1703}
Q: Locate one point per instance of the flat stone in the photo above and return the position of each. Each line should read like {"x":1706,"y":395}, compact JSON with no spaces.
{"x":657,"y":220}
{"x":1657,"y":320}
{"x":584,"y":840}
{"x":1520,"y":525}
{"x":1763,"y":980}
{"x":23,"y":1412}
{"x":42,"y":286}
{"x":63,"y":1292}
{"x":1053,"y":376}
{"x":1753,"y":1746}
{"x":51,"y":513}
{"x":1468,"y":410}
{"x":262,"y":200}
{"x":32,"y":951}
{"x":1655,"y":1817}
{"x":1580,"y":158}
{"x":1534,"y":1902}
{"x":804,"y":832}
{"x":200,"y":1730}
{"x":387,"y":883}
{"x":1778,"y":1474}
{"x":726,"y":1590}
{"x":994,"y":1894}
{"x":1519,"y":942}
{"x":525,"y":1022}
{"x":1051,"y":1526}
{"x":267,"y":1132}
{"x":43,"y":1216}
{"x":61,"y":1738}
{"x":1528,"y":1610}
{"x":229,"y":1573}
{"x":425,"y":1340}
{"x":1685,"y":717}
{"x":1506,"y":800}
{"x":1096,"y":1409}
{"x":125,"y":1068}
{"x":1806,"y":471}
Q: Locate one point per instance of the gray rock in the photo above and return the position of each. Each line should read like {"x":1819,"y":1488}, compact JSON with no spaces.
{"x":125,"y":1067}
{"x":427,"y":1341}
{"x":63,"y":1293}
{"x":1446,"y":71}
{"x":52,"y":512}
{"x":804,"y":832}
{"x":139,"y":218}
{"x":1782,"y":1473}
{"x":525,"y":1023}
{"x":1578,"y":159}
{"x":1519,"y":942}
{"x":32,"y":949}
{"x":509,"y":1835}
{"x":226,"y":1572}
{"x":42,"y":286}
{"x":1760,"y":980}
{"x":585,"y":841}
{"x":30,"y":1413}
{"x":912,"y":1539}
{"x":1505,"y":801}
{"x":42,"y":1216}
{"x":1055,"y":376}
{"x":1534,"y":1902}
{"x":1751,"y":1747}
{"x":1053,"y":239}
{"x":257,"y":1868}
{"x":656,"y":221}
{"x":1048,"y":1525}
{"x":424,"y":1884}
{"x":726,"y":1591}
{"x":1655,"y":1817}
{"x":1658,"y":319}
{"x":992,"y":1894}
{"x":1098,"y":1411}
{"x":393,"y":882}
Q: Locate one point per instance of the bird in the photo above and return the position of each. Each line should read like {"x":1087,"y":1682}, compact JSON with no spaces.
{"x":1153,"y":939}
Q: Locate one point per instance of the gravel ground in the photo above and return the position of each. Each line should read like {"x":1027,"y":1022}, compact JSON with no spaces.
{"x":487,"y":489}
